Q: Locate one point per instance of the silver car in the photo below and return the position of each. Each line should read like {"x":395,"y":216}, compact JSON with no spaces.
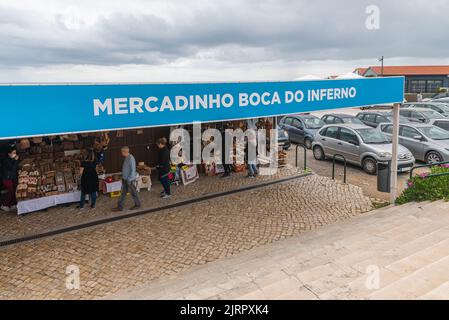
{"x":360,"y":145}
{"x":441,"y":108}
{"x":421,"y":115}
{"x":428,"y":143}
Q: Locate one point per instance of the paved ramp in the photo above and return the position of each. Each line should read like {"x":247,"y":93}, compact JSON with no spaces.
{"x":391,"y":253}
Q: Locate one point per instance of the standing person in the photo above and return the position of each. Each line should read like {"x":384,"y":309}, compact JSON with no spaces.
{"x":163,"y":166}
{"x":9,"y":169}
{"x":129,"y":175}
{"x":419,"y":97}
{"x":226,"y":166}
{"x":251,"y":154}
{"x":89,"y":180}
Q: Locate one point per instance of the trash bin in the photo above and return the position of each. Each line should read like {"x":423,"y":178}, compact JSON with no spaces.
{"x":383,"y":176}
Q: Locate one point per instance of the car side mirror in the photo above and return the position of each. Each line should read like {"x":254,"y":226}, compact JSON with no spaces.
{"x":422,"y":119}
{"x":419,"y":138}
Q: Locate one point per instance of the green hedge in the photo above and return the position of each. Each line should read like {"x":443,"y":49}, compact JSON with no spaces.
{"x":424,"y":188}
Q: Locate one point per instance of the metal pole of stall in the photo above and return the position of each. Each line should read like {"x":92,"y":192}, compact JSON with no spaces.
{"x":394,"y":155}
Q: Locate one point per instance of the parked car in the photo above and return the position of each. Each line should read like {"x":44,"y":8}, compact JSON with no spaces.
{"x":441,"y":95}
{"x":441,"y":108}
{"x":419,"y":114}
{"x":440,"y":123}
{"x":378,"y":107}
{"x":359,"y":144}
{"x":445,"y":100}
{"x":428,"y":143}
{"x":335,"y":118}
{"x":283,"y":139}
{"x":301,"y":128}
{"x":373,"y":118}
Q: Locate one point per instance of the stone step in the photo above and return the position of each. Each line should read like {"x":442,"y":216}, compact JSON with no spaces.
{"x":439,"y":293}
{"x":418,"y":283}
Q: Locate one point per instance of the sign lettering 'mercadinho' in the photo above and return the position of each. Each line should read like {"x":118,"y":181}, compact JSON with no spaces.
{"x":58,"y":109}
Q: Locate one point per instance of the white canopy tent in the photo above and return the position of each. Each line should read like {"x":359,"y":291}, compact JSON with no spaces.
{"x":308,"y":77}
{"x":349,"y":75}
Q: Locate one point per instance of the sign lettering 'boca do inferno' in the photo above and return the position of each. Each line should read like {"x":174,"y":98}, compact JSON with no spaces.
{"x":132,"y":105}
{"x":59,"y":109}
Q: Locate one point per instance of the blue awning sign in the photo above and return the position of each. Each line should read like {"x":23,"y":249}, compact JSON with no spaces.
{"x":34,"y":110}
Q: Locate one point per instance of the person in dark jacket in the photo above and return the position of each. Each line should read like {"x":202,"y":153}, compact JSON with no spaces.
{"x":9,"y":174}
{"x":163,"y":166}
{"x":226,"y":166}
{"x":89,"y":180}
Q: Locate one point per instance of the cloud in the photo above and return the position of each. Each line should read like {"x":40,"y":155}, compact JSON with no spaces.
{"x":228,"y":33}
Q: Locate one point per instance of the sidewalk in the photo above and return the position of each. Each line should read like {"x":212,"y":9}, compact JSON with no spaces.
{"x":128,"y":253}
{"x":391,"y":253}
{"x":14,"y":226}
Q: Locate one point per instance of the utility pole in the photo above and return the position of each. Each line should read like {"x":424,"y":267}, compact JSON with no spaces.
{"x":382,"y":66}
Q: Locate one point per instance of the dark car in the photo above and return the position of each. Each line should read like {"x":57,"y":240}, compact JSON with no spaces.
{"x":283,"y":139}
{"x":373,"y":118}
{"x":338,"y":118}
{"x":301,"y":128}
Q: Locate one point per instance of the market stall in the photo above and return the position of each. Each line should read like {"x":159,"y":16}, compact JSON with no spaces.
{"x":49,"y":169}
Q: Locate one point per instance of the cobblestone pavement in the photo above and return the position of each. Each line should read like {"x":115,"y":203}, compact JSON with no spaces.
{"x":392,"y":253}
{"x":355,"y":174}
{"x":13,"y":226}
{"x":131,"y":252}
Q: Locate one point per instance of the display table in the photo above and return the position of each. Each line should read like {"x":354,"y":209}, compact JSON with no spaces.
{"x":37,"y":204}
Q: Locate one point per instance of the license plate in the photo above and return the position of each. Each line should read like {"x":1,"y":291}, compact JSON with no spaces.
{"x":405,"y":169}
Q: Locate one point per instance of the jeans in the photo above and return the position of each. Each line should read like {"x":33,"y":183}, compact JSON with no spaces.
{"x":92,"y":197}
{"x":252,"y":169}
{"x":131,"y":187}
{"x":165,"y":183}
{"x":9,"y":199}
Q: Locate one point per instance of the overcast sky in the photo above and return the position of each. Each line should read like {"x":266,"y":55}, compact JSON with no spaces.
{"x":223,"y":40}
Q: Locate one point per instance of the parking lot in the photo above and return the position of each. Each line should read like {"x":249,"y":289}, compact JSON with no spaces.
{"x":355,"y":175}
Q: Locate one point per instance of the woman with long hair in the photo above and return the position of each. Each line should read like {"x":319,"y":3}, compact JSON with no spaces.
{"x":89,"y":180}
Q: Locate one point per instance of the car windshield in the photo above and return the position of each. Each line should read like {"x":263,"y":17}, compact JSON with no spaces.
{"x":313,"y":123}
{"x":443,"y":106}
{"x":353,"y":120}
{"x":373,"y":136}
{"x":430,"y":114}
{"x":435,"y":133}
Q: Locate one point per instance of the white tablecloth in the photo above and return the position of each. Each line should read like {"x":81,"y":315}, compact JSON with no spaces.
{"x":47,"y":202}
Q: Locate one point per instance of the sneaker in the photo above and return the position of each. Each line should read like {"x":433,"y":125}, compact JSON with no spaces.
{"x":5,"y":208}
{"x":250,"y":176}
{"x":165,"y":196}
{"x":80,"y":208}
{"x":117,"y":209}
{"x":14,"y":207}
{"x":134,"y":207}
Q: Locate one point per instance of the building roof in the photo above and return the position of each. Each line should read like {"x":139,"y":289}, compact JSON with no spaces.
{"x":406,"y":70}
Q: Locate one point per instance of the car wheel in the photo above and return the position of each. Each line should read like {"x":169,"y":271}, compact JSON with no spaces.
{"x":369,"y":165}
{"x":433,"y":157}
{"x":308,"y":143}
{"x":318,"y":153}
